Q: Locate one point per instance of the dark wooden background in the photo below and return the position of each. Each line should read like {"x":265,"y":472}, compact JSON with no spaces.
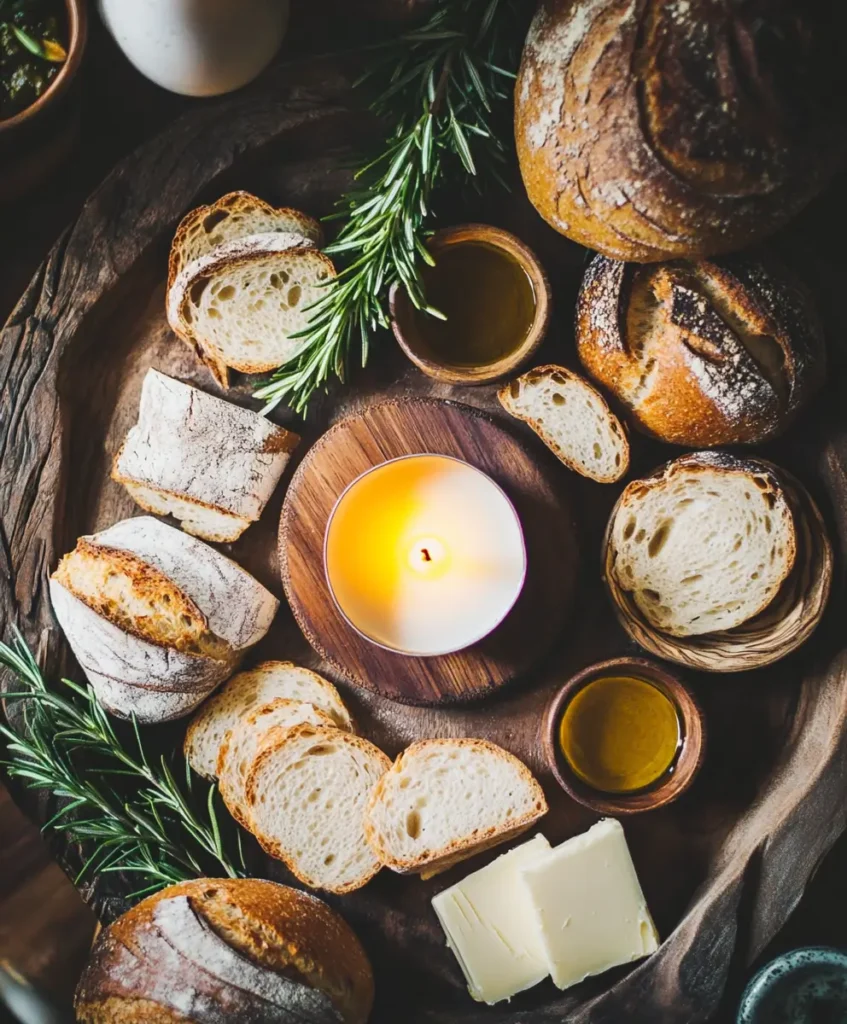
{"x":44,"y":926}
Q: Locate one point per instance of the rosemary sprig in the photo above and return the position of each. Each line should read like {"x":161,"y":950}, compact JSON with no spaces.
{"x":151,"y":826}
{"x":443,"y":86}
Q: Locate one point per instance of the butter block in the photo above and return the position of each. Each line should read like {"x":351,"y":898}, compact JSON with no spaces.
{"x":491,"y":928}
{"x":589,"y":909}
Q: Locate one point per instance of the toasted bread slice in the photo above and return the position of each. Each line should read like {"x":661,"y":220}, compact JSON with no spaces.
{"x":306,"y":795}
{"x":572,"y":418}
{"x":705,"y":543}
{"x":246,"y":691}
{"x":446,"y":800}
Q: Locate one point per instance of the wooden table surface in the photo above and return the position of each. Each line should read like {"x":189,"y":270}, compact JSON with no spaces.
{"x":44,"y":927}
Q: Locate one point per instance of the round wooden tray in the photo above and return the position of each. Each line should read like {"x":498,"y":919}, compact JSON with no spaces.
{"x":389,"y":430}
{"x":722,"y":868}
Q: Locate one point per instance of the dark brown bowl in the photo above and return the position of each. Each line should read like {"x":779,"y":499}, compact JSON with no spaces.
{"x":403,"y":312}
{"x":668,"y":788}
{"x":36,"y":140}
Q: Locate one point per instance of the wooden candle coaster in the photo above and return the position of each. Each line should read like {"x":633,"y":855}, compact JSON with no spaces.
{"x":388,"y":431}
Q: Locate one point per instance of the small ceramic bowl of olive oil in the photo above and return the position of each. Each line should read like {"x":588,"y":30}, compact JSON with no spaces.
{"x":494,"y":299}
{"x":624,"y":736}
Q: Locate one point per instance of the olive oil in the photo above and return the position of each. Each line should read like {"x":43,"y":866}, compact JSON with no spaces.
{"x":487,"y":298}
{"x":620,"y":734}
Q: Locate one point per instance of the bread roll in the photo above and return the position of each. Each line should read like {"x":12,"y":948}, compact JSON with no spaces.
{"x":702,"y":353}
{"x":649,"y":129}
{"x":219,"y":950}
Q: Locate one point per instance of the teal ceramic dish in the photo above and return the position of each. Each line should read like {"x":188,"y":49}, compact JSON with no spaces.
{"x":805,"y":986}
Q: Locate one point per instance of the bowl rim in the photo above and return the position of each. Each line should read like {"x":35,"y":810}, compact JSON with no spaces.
{"x":401,"y":308}
{"x":781,"y":965}
{"x":78,"y":33}
{"x":689,"y":759}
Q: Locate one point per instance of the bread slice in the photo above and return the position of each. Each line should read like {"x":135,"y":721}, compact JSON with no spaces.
{"x":233,"y":216}
{"x":246,"y":738}
{"x":211,"y":464}
{"x":704,"y":544}
{"x":572,"y":418}
{"x":155,"y":614}
{"x":240,"y":305}
{"x":246,"y":691}
{"x":446,"y":800}
{"x":306,"y":795}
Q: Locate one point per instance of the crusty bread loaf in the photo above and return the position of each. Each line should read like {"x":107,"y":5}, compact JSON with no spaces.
{"x":704,"y":544}
{"x":246,"y":738}
{"x":226,"y":950}
{"x":640,"y":132}
{"x":207,"y":730}
{"x":211,"y":464}
{"x":306,"y":794}
{"x":235,"y":215}
{"x":445,"y":800}
{"x":708,"y":353}
{"x":155,"y":618}
{"x":240,"y":304}
{"x":572,"y":418}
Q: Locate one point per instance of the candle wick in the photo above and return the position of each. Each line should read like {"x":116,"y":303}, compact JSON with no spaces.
{"x":427,"y":557}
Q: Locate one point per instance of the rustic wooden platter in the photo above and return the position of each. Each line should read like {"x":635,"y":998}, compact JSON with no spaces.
{"x":722,"y":868}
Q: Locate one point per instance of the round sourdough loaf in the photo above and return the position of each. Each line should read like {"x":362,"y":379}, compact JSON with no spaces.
{"x":702,"y":353}
{"x":220,"y":950}
{"x":648,"y":129}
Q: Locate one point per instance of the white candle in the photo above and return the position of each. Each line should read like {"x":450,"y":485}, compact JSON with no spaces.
{"x":424,"y":555}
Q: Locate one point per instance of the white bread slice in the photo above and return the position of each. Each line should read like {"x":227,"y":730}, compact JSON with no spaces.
{"x":240,"y":305}
{"x":233,"y":216}
{"x":449,"y":799}
{"x":704,"y":544}
{"x":209,"y":463}
{"x":572,"y":418}
{"x":243,"y":742}
{"x":207,"y":730}
{"x":145,"y":606}
{"x":306,"y":795}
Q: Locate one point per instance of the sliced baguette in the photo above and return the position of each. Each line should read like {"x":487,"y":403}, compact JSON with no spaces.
{"x":446,"y":800}
{"x":240,"y":304}
{"x":243,"y":742}
{"x":306,"y":795}
{"x":246,"y":691}
{"x":572,"y":418}
{"x":704,"y":544}
{"x":233,"y":216}
{"x":211,"y":464}
{"x":153,"y":613}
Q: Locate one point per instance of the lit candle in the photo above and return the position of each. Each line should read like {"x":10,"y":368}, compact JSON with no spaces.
{"x":424,"y":555}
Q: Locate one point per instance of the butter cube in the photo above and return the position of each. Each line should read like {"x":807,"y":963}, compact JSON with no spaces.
{"x":491,"y":928}
{"x":589,"y":909}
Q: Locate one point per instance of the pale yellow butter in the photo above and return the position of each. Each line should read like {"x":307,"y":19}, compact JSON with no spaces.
{"x":491,"y":927}
{"x":588,"y":906}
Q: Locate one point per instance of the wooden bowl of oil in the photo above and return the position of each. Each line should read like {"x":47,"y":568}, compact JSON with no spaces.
{"x":624,"y":736}
{"x":494,"y":297}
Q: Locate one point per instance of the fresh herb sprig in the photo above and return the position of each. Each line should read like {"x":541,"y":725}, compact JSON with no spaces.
{"x":443,"y":86}
{"x":146,"y":823}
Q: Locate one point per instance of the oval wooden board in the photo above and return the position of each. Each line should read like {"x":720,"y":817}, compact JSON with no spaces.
{"x":722,"y":868}
{"x":389,"y":430}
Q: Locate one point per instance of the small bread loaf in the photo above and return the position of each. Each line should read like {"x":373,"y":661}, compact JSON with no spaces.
{"x":446,"y":800}
{"x":220,"y":950}
{"x":240,"y":304}
{"x":233,"y":216}
{"x":572,"y":418}
{"x":306,"y":795}
{"x":156,"y":619}
{"x":246,"y":739}
{"x":207,"y":731}
{"x":704,"y":544}
{"x":687,"y":128}
{"x":210,"y":464}
{"x":703,"y":354}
